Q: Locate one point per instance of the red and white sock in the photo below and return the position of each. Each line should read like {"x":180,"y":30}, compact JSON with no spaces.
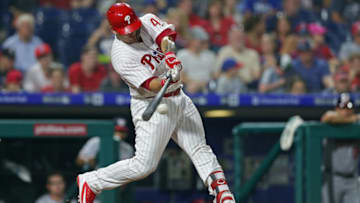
{"x":219,"y":188}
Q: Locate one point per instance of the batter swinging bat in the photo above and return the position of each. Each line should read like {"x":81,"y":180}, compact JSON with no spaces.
{"x":151,"y":108}
{"x":166,"y":45}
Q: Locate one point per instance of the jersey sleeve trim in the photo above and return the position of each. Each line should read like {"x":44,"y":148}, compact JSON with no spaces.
{"x":166,"y":32}
{"x":146,"y":84}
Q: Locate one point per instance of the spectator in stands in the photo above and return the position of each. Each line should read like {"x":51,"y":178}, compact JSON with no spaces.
{"x":37,"y":76}
{"x":102,"y":38}
{"x":150,"y":6}
{"x":296,"y":86}
{"x":198,"y":61}
{"x":353,"y":68}
{"x":230,"y":10}
{"x":302,"y":32}
{"x":341,"y":83}
{"x":58,"y":82}
{"x":341,"y":157}
{"x":249,"y":58}
{"x":7,"y":57}
{"x":321,"y":49}
{"x":55,"y":186}
{"x":113,"y":83}
{"x":75,"y":4}
{"x":273,"y":78}
{"x":314,"y":71}
{"x":254,"y":27}
{"x":283,"y":29}
{"x":218,"y":25}
{"x":350,"y":47}
{"x":268,"y":47}
{"x":13,"y":81}
{"x":103,"y":5}
{"x":346,"y":10}
{"x":23,"y":42}
{"x":286,"y":41}
{"x":87,"y":155}
{"x":61,"y":4}
{"x":229,"y":82}
{"x":186,"y":6}
{"x":296,"y":14}
{"x":181,"y":22}
{"x":86,"y":75}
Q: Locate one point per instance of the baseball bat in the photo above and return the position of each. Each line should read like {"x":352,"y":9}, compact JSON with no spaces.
{"x":151,"y":108}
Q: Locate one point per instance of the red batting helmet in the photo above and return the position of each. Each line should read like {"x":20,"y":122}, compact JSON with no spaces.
{"x":123,"y":19}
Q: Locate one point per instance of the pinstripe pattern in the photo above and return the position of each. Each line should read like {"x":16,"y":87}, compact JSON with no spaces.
{"x":182,"y":122}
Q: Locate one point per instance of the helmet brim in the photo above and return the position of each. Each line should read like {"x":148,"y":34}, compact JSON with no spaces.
{"x":129,"y":28}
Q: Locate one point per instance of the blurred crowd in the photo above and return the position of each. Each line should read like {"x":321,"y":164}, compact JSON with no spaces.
{"x":226,"y":46}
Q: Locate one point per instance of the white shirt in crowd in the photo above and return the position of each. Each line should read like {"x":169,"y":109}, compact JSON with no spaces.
{"x":198,"y":67}
{"x":35,"y":79}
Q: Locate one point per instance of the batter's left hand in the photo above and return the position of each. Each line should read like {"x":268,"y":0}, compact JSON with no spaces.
{"x":171,"y":61}
{"x":173,"y":65}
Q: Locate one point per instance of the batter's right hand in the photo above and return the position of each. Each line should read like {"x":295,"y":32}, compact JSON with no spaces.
{"x":175,"y":74}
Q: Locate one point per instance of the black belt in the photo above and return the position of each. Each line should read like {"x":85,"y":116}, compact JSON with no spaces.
{"x":341,"y":174}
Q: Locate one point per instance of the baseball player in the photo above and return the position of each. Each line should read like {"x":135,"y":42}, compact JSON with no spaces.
{"x":341,"y":157}
{"x":88,"y":152}
{"x":141,"y":55}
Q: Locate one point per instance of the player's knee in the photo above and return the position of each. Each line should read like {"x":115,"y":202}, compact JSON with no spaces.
{"x":146,"y":171}
{"x":146,"y":167}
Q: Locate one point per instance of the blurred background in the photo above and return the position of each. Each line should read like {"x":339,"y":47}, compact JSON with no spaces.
{"x":244,"y":61}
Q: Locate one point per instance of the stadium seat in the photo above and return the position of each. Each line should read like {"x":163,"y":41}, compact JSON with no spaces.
{"x":48,"y":25}
{"x":76,"y":30}
{"x":337,"y":34}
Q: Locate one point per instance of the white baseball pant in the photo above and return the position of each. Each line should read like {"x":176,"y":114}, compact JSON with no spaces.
{"x":182,"y":123}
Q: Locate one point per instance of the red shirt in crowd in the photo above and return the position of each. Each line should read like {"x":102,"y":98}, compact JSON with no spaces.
{"x":250,"y":45}
{"x":355,"y":82}
{"x":86,"y":83}
{"x":195,"y":20}
{"x":324,"y":52}
{"x":64,"y":4}
{"x":50,"y":89}
{"x":219,"y":37}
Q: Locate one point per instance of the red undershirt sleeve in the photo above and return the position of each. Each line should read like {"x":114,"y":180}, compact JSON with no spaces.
{"x":146,"y":84}
{"x":167,"y":32}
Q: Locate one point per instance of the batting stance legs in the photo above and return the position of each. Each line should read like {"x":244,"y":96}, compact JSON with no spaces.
{"x":183,"y":124}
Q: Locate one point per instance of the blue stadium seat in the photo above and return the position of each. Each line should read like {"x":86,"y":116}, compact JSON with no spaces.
{"x":6,"y":23}
{"x":76,"y":29}
{"x":4,"y":5}
{"x":337,"y":34}
{"x":49,"y":22}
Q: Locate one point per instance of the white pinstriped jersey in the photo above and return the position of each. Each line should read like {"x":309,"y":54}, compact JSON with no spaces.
{"x":138,"y":62}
